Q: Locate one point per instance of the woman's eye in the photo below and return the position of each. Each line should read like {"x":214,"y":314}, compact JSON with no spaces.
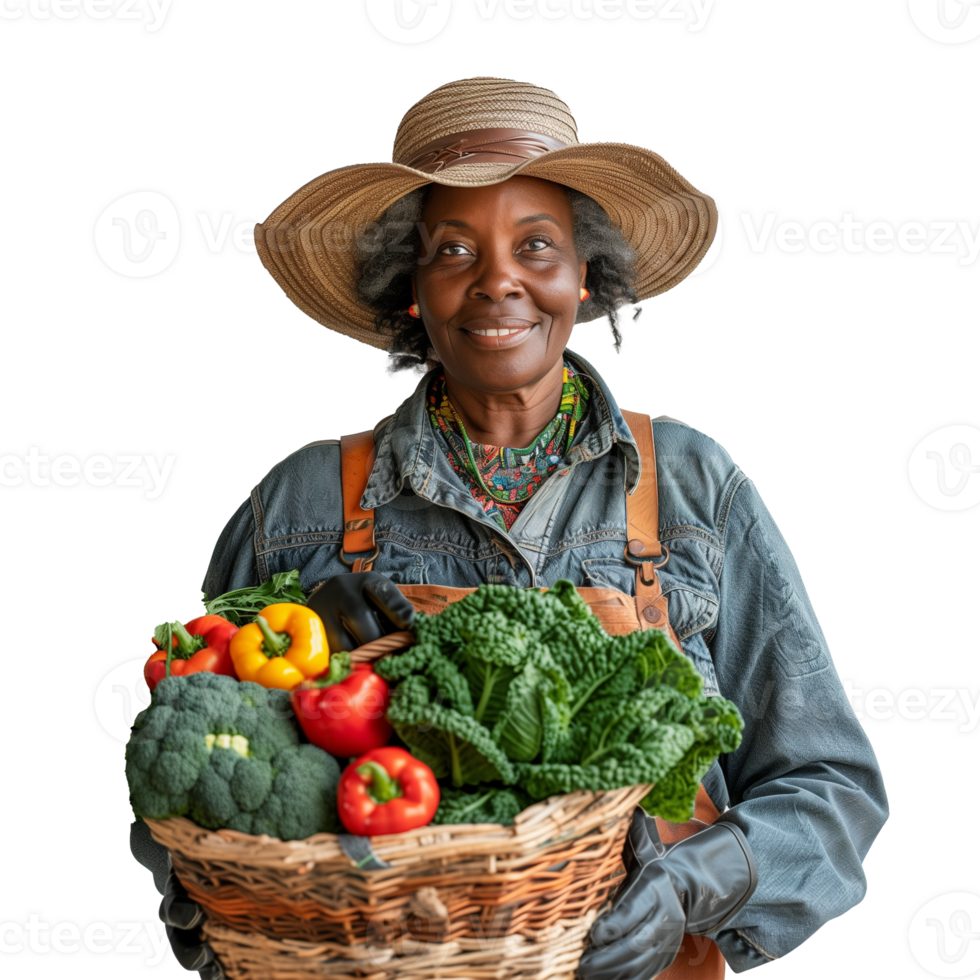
{"x":454,"y":249}
{"x":537,"y":244}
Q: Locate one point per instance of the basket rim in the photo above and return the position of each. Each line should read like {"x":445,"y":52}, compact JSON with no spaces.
{"x":554,"y":819}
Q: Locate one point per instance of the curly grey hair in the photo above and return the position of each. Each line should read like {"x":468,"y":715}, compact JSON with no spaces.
{"x":389,"y":252}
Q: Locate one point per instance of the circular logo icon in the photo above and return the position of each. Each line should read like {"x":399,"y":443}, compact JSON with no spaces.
{"x":945,"y":468}
{"x":711,"y":256}
{"x":120,"y":697}
{"x":944,"y":935}
{"x":947,"y":21}
{"x":408,"y":21}
{"x":138,"y":235}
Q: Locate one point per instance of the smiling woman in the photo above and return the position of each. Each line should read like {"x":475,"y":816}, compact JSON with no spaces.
{"x":490,"y":235}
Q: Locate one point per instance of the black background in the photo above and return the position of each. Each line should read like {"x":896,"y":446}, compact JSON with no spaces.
{"x":820,"y":373}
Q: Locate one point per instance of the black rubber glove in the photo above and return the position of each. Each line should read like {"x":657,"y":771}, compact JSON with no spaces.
{"x":694,"y":887}
{"x":183,"y":919}
{"x":179,"y":914}
{"x":358,"y":607}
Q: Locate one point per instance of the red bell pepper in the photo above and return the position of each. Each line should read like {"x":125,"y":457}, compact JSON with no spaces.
{"x":200,"y":645}
{"x":386,"y":791}
{"x":343,"y":709}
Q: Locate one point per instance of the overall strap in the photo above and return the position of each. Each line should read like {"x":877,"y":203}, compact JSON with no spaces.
{"x":643,"y":546}
{"x":356,"y":462}
{"x":699,"y":958}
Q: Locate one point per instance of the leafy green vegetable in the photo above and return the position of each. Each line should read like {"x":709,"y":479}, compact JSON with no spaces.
{"x":526,"y":688}
{"x":485,"y":804}
{"x":243,"y":605}
{"x":450,"y":742}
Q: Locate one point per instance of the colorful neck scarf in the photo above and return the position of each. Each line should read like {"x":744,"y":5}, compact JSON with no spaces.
{"x":501,"y":479}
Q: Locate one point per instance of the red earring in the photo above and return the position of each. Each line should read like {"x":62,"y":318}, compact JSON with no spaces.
{"x":583,"y":294}
{"x":414,"y":310}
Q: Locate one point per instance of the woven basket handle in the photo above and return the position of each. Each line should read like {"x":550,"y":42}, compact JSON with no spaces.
{"x":377,"y":649}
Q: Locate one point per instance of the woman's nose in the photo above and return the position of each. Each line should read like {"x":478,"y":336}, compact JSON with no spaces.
{"x":497,"y":277}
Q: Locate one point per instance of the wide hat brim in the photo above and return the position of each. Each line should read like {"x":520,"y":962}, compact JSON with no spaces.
{"x":308,"y":242}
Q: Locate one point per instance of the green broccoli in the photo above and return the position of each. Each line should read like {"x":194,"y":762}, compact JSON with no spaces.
{"x":227,"y":754}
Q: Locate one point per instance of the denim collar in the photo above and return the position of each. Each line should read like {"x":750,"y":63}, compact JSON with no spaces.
{"x":408,"y":452}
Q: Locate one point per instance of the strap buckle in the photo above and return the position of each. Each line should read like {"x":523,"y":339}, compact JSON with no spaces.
{"x":367,"y":561}
{"x":647,"y":566}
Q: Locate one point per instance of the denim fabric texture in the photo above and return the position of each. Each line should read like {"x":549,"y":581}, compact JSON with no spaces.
{"x":804,"y":786}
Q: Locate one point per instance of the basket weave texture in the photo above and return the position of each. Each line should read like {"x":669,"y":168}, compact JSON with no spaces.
{"x":466,"y":900}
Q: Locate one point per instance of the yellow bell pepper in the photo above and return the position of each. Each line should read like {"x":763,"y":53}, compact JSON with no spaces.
{"x":286,"y":644}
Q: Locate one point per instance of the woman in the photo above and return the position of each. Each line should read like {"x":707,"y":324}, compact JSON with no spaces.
{"x":477,"y":251}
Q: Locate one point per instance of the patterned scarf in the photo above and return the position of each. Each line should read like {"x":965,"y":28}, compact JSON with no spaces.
{"x":501,"y":479}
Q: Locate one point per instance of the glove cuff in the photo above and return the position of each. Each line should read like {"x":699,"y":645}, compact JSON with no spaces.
{"x":714,"y":874}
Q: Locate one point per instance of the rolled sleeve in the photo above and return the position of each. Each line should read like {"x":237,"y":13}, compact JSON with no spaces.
{"x":804,"y":786}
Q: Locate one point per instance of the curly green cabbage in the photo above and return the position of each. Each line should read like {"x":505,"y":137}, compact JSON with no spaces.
{"x":526,"y":689}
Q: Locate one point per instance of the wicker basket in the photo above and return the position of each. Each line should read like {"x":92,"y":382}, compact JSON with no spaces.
{"x":462,"y":901}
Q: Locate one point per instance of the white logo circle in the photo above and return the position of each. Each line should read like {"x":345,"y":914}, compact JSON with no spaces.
{"x":408,"y":21}
{"x":120,"y":697}
{"x":711,"y":256}
{"x":944,"y":468}
{"x":138,"y":235}
{"x":944,"y":935}
{"x":947,"y":21}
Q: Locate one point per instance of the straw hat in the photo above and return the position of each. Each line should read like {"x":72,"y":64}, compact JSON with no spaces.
{"x":472,"y":133}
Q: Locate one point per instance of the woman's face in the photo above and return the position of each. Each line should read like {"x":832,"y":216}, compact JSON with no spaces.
{"x":499,"y":284}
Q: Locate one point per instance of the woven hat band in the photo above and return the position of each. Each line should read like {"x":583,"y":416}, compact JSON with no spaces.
{"x":511,"y":146}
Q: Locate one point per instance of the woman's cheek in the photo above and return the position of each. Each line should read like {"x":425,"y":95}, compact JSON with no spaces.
{"x":560,"y":301}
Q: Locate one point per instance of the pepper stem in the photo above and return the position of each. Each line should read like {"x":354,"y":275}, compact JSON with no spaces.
{"x":381,"y":786}
{"x":274,"y":644}
{"x":167,"y":632}
{"x":339,"y":670}
{"x":187,"y":645}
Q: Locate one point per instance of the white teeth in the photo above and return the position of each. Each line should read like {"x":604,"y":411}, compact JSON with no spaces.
{"x":497,"y":332}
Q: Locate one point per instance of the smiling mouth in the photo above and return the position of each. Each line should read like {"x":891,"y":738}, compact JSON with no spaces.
{"x":497,"y":333}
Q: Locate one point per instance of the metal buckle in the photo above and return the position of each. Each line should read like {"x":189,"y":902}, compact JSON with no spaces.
{"x":642,"y":565}
{"x":367,"y":561}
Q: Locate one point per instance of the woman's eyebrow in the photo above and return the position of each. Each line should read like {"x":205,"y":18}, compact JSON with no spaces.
{"x":457,"y":223}
{"x":539,"y":217}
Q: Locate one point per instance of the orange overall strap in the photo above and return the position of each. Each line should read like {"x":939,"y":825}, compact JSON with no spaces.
{"x":643,"y":546}
{"x":699,"y":958}
{"x":356,"y":462}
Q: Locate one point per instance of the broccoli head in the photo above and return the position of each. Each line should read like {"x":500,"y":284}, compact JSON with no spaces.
{"x":227,"y":753}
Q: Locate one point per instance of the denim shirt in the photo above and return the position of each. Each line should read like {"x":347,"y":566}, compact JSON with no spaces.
{"x":804,"y":785}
